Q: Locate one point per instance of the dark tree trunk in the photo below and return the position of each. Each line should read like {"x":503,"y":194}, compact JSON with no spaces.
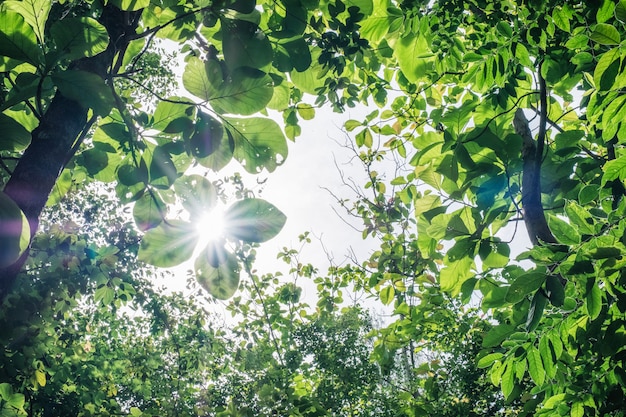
{"x":53,"y":140}
{"x":534,"y":216}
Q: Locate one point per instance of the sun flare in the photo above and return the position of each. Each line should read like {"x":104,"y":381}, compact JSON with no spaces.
{"x":211,"y":226}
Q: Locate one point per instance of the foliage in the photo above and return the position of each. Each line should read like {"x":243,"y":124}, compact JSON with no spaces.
{"x":454,"y":82}
{"x":463,"y":68}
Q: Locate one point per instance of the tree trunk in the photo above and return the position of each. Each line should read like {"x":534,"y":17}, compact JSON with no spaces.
{"x":534,"y":217}
{"x":53,"y":140}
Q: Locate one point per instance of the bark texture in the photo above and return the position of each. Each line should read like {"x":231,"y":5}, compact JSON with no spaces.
{"x":53,"y":140}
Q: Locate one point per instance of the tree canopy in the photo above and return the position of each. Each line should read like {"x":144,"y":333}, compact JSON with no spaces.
{"x":500,"y":116}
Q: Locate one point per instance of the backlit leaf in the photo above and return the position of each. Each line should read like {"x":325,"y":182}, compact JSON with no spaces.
{"x":18,"y":39}
{"x":524,"y":285}
{"x":79,"y":37}
{"x":259,"y":143}
{"x":169,"y":244}
{"x":221,"y":281}
{"x":34,"y":12}
{"x":253,"y":220}
{"x":86,"y":88}
{"x":14,"y":231}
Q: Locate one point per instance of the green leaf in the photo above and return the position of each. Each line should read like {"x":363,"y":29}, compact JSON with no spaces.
{"x":535,"y":312}
{"x":220,"y":156}
{"x":245,"y":45}
{"x":454,"y":274}
{"x":79,"y":37}
{"x":169,"y":244}
{"x":364,"y":138}
{"x":14,"y":136}
{"x":221,"y":281}
{"x":202,"y":79}
{"x":149,"y":211}
{"x":259,"y":143}
{"x":524,"y":285}
{"x":563,"y":231}
{"x":34,"y":12}
{"x":246,"y":92}
{"x":86,"y":88}
{"x":620,"y":11}
{"x":605,"y":34}
{"x":614,"y":169}
{"x":253,"y":220}
{"x":578,"y":409}
{"x":18,"y":40}
{"x":589,"y":193}
{"x":306,"y":111}
{"x":387,"y":294}
{"x":487,"y":360}
{"x":607,"y":69}
{"x":504,"y":28}
{"x":535,"y":366}
{"x":130,"y":5}
{"x":555,"y":291}
{"x":414,"y":57}
{"x":593,"y":302}
{"x":172,"y":117}
{"x":14,"y":231}
{"x":61,"y":187}
{"x":580,"y":218}
{"x":561,"y":19}
{"x":198,"y":195}
{"x":521,"y":53}
{"x":507,"y":383}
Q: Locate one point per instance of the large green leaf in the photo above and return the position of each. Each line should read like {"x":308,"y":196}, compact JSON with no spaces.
{"x":524,"y":285}
{"x":221,"y":156}
{"x":18,"y":39}
{"x":169,"y":244}
{"x":197,"y":194}
{"x":34,"y":12}
{"x":14,"y":231}
{"x":605,"y":34}
{"x":173,"y":116}
{"x":414,"y":57}
{"x":207,"y":137}
{"x":454,"y":274}
{"x":245,"y":45}
{"x":259,"y":143}
{"x":79,"y":37}
{"x":202,"y":79}
{"x":149,"y":211}
{"x":246,"y":91}
{"x":86,"y":88}
{"x":221,"y":281}
{"x":14,"y":136}
{"x":563,"y":231}
{"x":253,"y":220}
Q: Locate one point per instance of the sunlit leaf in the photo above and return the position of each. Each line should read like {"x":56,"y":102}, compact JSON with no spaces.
{"x":14,"y":231}
{"x":169,"y":244}
{"x":202,"y":79}
{"x":535,"y":365}
{"x":86,"y":88}
{"x":524,"y":285}
{"x":563,"y":231}
{"x":593,"y":302}
{"x":197,"y":194}
{"x":259,"y":143}
{"x":149,"y":211}
{"x":605,"y":34}
{"x":17,"y":39}
{"x":221,"y":281}
{"x":34,"y":12}
{"x":79,"y":37}
{"x":253,"y":220}
{"x":414,"y":57}
{"x":245,"y":92}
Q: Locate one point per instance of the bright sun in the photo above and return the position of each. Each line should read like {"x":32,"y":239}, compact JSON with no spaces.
{"x":211,"y":226}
